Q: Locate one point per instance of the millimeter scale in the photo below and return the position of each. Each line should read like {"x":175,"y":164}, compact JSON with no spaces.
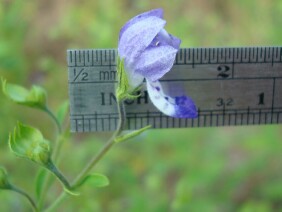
{"x":230,"y":86}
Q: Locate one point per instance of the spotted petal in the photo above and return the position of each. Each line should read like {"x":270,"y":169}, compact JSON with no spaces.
{"x":136,"y":38}
{"x":156,"y":12}
{"x":155,"y":62}
{"x":178,"y":107}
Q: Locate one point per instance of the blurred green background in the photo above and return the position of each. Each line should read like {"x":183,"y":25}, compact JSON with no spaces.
{"x":207,"y":169}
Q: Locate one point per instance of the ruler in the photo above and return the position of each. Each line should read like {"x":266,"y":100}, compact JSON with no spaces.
{"x":230,"y":86}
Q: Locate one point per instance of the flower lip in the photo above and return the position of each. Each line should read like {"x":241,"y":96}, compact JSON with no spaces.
{"x":178,"y":106}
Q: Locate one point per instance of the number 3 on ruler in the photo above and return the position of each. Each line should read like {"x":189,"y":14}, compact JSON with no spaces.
{"x":224,"y":102}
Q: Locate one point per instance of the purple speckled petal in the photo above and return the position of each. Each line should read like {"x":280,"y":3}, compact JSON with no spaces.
{"x":169,"y":39}
{"x":155,"y":62}
{"x":156,"y":12}
{"x":178,"y":107}
{"x":137,"y":38}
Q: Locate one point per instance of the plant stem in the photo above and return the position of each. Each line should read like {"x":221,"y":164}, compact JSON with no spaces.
{"x":59,"y":175}
{"x":13,"y":188}
{"x":95,"y":159}
{"x":106,"y":148}
{"x":48,"y":181}
{"x":51,"y":114}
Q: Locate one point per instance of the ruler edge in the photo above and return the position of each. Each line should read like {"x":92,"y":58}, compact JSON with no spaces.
{"x":182,"y":49}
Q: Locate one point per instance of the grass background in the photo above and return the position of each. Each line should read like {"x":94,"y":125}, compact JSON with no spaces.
{"x":207,"y":169}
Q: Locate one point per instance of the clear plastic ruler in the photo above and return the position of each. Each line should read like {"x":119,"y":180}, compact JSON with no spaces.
{"x":230,"y":86}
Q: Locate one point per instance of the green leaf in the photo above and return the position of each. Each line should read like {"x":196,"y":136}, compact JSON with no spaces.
{"x":94,"y":180}
{"x":131,"y":134}
{"x":62,"y":112}
{"x":4,"y":183}
{"x":28,"y":142}
{"x":36,"y":97}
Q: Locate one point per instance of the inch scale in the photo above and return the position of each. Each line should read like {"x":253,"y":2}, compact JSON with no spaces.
{"x":230,"y":86}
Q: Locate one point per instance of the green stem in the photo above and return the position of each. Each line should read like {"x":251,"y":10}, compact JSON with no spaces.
{"x":51,"y":114}
{"x":48,"y":181}
{"x":95,"y":159}
{"x":44,"y":190}
{"x":13,"y":188}
{"x":59,"y":175}
{"x":107,"y":146}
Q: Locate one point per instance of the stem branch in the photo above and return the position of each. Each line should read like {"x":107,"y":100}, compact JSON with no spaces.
{"x":97,"y":158}
{"x":15,"y":189}
{"x":51,"y":114}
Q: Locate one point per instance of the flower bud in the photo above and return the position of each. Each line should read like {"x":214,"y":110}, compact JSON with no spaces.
{"x":28,"y":142}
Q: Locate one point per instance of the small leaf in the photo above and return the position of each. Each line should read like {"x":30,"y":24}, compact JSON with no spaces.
{"x":36,"y":97}
{"x":131,"y":134}
{"x":4,"y":183}
{"x":94,"y":180}
{"x":28,"y":142}
{"x":62,"y":112}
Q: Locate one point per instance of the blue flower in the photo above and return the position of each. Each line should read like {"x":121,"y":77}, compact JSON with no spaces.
{"x":149,"y":52}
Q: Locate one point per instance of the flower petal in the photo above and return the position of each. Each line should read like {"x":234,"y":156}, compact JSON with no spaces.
{"x":134,"y":79}
{"x":168,"y":39}
{"x":178,"y":107}
{"x":136,"y":38}
{"x":155,"y":62}
{"x":156,"y":12}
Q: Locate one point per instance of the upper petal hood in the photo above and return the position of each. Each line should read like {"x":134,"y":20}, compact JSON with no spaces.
{"x":137,"y":37}
{"x":156,"y":12}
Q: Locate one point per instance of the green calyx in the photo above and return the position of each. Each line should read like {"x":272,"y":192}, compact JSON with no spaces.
{"x":124,"y":90}
{"x":28,"y":142}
